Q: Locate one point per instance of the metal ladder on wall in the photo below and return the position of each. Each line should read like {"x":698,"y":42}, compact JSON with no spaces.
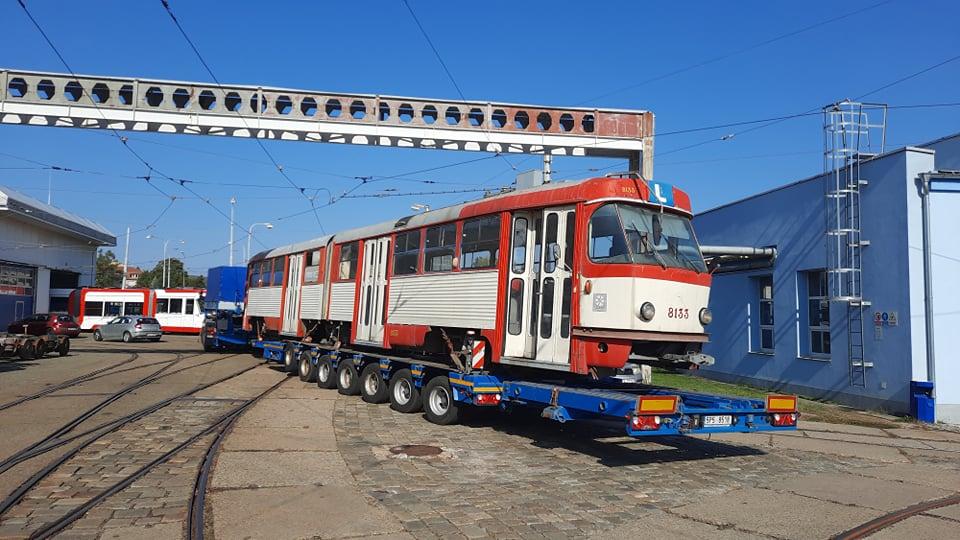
{"x":848,"y":142}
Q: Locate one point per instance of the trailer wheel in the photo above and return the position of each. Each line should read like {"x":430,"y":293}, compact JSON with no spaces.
{"x":373,"y":388}
{"x":289,"y":360}
{"x":404,"y":394}
{"x":64,"y":347}
{"x":97,"y":336}
{"x":438,"y":402}
{"x":27,"y":351}
{"x":326,"y":378}
{"x":307,"y":371}
{"x":348,"y":380}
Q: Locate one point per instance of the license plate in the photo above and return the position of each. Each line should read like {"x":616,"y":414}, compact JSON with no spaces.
{"x":718,"y":420}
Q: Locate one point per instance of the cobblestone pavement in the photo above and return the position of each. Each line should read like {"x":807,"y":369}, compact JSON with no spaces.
{"x":523,"y":477}
{"x":155,"y":499}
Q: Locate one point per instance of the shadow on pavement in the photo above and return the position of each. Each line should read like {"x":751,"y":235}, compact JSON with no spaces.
{"x":606,"y":441}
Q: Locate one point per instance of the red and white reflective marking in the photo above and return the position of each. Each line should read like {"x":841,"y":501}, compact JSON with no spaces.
{"x":479,"y":347}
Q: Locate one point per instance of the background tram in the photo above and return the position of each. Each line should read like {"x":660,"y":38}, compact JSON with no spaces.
{"x":572,"y":276}
{"x":178,"y":310}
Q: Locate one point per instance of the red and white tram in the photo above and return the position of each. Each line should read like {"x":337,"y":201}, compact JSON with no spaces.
{"x":178,"y":310}
{"x":573,"y":276}
{"x":94,"y":307}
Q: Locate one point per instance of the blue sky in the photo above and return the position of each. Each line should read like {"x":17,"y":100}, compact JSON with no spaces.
{"x":554,"y":53}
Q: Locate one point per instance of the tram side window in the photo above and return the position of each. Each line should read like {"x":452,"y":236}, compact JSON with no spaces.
{"x":93,"y":309}
{"x":313,"y":274}
{"x":481,"y":243}
{"x":163,"y":305}
{"x":133,"y":308}
{"x":406,"y":253}
{"x":348,"y":260}
{"x":188,"y":307}
{"x":254,"y":275}
{"x":113,"y":308}
{"x":176,"y":305}
{"x":266,"y":272}
{"x":607,"y":244}
{"x":277,"y":272}
{"x":439,"y":247}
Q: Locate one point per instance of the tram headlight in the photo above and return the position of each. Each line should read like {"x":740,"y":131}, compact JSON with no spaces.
{"x":706,"y":316}
{"x":646,"y":311}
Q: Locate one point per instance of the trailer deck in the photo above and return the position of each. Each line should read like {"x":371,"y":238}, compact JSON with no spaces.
{"x":645,"y":410}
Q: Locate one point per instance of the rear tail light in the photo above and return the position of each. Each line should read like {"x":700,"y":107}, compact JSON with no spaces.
{"x":486,"y":399}
{"x":783,"y":419}
{"x":138,"y":326}
{"x":645,"y":422}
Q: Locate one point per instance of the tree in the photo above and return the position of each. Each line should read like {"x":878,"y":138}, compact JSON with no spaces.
{"x":153,"y":279}
{"x":109,"y":271}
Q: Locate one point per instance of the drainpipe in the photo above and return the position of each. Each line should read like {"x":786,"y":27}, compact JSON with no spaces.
{"x":927,"y":280}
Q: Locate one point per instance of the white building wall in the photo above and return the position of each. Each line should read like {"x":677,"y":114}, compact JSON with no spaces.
{"x":21,"y":241}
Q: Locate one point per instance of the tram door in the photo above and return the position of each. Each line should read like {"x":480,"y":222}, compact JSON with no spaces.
{"x":373,"y":285}
{"x":291,"y":305}
{"x":539,"y":291}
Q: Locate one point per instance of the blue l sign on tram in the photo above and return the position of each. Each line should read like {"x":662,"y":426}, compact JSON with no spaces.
{"x":661,"y":193}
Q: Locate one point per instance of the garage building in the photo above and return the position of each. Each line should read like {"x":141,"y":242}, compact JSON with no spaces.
{"x":781,"y":325}
{"x":45,"y":252}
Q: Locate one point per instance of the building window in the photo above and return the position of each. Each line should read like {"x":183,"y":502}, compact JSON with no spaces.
{"x":313,"y":273}
{"x":481,"y":243}
{"x":406,"y":253}
{"x":764,"y":332}
{"x":818,"y":313}
{"x":348,"y":260}
{"x":440,"y":244}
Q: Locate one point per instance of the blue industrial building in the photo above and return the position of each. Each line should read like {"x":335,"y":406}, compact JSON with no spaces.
{"x":775,"y":324}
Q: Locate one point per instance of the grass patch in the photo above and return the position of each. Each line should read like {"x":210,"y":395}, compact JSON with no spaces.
{"x":817,"y":411}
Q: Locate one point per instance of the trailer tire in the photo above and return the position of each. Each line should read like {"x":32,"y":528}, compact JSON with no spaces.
{"x":348,"y":380}
{"x":27,"y":351}
{"x":404,"y":394}
{"x":438,"y":403}
{"x":306,"y":369}
{"x":64,"y":348}
{"x":373,"y":389}
{"x":97,"y":336}
{"x":326,"y":376}
{"x":289,"y":360}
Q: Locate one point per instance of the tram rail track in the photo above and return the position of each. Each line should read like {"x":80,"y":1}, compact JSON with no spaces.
{"x":93,"y":375}
{"x":221,"y":424}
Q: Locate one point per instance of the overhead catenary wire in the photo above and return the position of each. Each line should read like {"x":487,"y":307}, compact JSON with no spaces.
{"x":737,"y":52}
{"x":443,"y":64}
{"x":123,"y":140}
{"x":263,"y":147}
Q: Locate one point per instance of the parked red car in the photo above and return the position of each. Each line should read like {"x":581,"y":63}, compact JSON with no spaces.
{"x":41,"y":324}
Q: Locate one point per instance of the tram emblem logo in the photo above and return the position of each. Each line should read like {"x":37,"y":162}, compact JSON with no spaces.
{"x":600,"y":302}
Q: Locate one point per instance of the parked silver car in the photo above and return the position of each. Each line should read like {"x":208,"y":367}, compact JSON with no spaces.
{"x":129,"y":329}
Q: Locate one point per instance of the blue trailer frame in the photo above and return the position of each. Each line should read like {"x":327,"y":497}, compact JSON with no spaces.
{"x":646,"y":410}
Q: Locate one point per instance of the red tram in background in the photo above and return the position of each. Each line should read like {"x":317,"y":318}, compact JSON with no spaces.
{"x":178,"y":310}
{"x":571,"y":276}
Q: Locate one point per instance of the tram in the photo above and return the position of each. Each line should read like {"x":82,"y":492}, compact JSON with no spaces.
{"x":573,"y":276}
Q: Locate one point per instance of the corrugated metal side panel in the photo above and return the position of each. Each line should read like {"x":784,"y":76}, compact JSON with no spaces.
{"x":311,"y":302}
{"x":463,"y":299}
{"x":341,"y":301}
{"x":263,"y":302}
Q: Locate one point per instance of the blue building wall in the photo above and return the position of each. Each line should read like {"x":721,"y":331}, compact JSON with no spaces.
{"x":792,"y":219}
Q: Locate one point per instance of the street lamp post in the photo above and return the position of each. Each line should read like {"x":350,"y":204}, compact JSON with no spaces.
{"x":233,"y":204}
{"x":266,"y":224}
{"x":165,"y":281}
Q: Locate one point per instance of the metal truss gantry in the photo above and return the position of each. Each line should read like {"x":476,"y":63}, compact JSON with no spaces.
{"x":64,"y":100}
